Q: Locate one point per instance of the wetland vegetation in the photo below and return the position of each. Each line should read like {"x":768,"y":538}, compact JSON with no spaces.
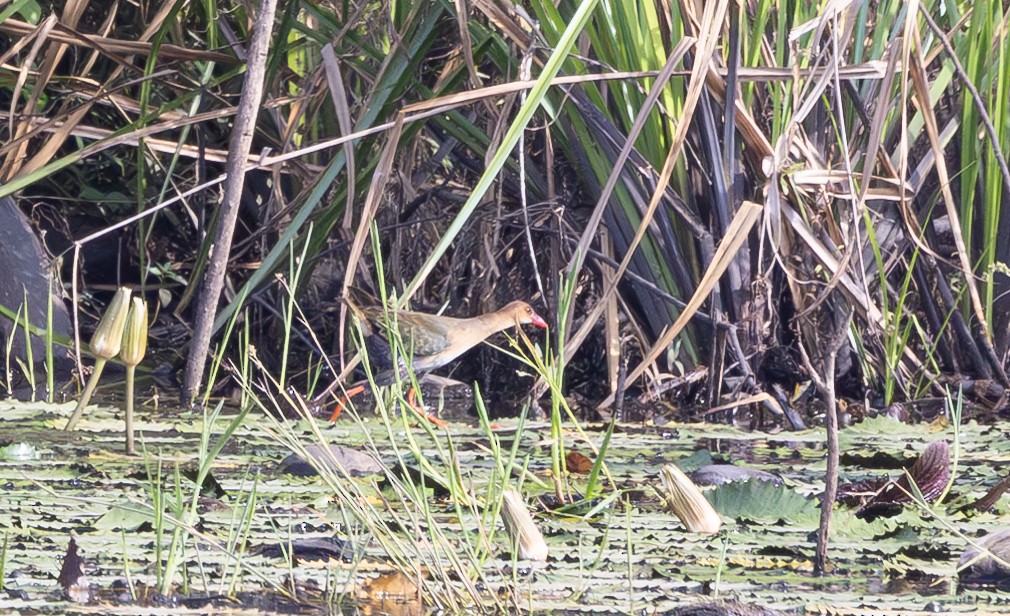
{"x":762,"y":366}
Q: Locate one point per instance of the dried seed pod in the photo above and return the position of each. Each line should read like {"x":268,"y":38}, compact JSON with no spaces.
{"x":522,"y":528}
{"x":687,"y":502}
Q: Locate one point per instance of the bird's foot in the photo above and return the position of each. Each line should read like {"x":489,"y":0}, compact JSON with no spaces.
{"x":412,"y":401}
{"x":344,"y":400}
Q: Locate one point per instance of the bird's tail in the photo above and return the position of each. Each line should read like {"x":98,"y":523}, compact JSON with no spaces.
{"x":358,"y":300}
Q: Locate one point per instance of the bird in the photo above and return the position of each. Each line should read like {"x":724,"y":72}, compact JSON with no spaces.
{"x":431,"y":340}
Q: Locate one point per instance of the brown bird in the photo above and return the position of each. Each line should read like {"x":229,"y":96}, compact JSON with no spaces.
{"x":431,"y":340}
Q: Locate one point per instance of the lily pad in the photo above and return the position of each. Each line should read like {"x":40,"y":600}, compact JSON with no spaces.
{"x":760,"y":500}
{"x":336,"y":458}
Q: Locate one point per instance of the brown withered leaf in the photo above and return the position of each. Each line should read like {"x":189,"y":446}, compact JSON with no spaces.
{"x":578,"y":463}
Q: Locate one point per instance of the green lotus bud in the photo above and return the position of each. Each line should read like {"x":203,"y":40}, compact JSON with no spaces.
{"x":105,"y":344}
{"x":108,"y":336}
{"x":134,"y":348}
{"x":135,"y":334}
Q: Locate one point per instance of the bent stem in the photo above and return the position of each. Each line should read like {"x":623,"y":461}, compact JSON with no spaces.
{"x":86,"y":397}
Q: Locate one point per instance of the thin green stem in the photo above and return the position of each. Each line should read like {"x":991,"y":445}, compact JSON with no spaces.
{"x":130,"y":373}
{"x":88,"y":390}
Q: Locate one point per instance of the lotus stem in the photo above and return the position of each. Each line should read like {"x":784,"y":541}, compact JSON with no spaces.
{"x":129,"y":409}
{"x":132,"y":353}
{"x":86,"y":396}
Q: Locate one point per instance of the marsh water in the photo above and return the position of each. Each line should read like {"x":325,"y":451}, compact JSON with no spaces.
{"x":621,"y":552}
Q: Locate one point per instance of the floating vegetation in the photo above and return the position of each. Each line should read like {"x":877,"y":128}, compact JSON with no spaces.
{"x":269,"y":533}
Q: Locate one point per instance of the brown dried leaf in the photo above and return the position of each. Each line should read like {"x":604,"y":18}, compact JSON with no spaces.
{"x":576,"y":462}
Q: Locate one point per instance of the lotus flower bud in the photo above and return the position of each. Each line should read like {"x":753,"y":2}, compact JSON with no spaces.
{"x":687,"y":502}
{"x":521,"y":527}
{"x":135,"y":334}
{"x":105,"y":344}
{"x":108,"y":336}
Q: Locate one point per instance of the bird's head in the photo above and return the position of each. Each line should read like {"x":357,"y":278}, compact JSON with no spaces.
{"x":523,"y":314}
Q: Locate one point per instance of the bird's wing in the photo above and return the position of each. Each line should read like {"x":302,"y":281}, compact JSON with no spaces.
{"x":422,"y":334}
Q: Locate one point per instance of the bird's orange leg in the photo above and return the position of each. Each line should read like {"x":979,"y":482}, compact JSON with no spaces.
{"x":412,"y":401}
{"x":344,"y":400}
